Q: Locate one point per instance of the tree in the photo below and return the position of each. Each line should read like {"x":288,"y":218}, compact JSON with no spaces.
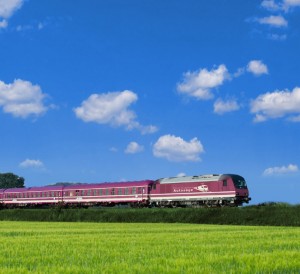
{"x":10,"y":180}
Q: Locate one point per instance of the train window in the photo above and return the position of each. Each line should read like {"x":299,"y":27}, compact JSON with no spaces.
{"x":89,"y":192}
{"x":82,"y":192}
{"x":113,"y":191}
{"x":224,"y":182}
{"x":101,"y":192}
{"x":120,"y":191}
{"x":52,"y":193}
{"x":239,"y":182}
{"x":139,"y":190}
{"x":95,"y":192}
{"x":134,"y":190}
{"x":126,"y":191}
{"x":106,"y":191}
{"x":77,"y":192}
{"x":154,"y":186}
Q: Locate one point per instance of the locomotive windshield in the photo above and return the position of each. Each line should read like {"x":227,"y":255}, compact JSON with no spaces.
{"x":239,"y":181}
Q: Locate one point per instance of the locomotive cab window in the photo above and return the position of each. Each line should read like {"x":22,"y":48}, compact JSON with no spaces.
{"x":239,"y":182}
{"x":224,"y":182}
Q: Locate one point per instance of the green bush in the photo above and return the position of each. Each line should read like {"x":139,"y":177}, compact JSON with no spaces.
{"x":268,"y":214}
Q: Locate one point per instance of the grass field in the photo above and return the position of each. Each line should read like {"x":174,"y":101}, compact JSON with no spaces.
{"x":41,"y":247}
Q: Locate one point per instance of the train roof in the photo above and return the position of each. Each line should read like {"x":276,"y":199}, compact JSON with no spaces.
{"x":197,"y":178}
{"x":107,"y":185}
{"x":78,"y":187}
{"x":33,"y":189}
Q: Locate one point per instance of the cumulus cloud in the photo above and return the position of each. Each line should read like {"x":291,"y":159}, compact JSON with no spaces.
{"x":271,"y":5}
{"x":134,"y":147}
{"x":277,"y":37}
{"x":288,"y":4}
{"x":221,"y":107}
{"x":181,"y":174}
{"x":274,"y":21}
{"x":176,"y":149}
{"x":281,"y":170}
{"x":29,"y":163}
{"x":199,"y":84}
{"x":277,"y":104}
{"x":7,"y":9}
{"x":3,"y":24}
{"x":257,"y":67}
{"x":22,"y":99}
{"x":112,"y":108}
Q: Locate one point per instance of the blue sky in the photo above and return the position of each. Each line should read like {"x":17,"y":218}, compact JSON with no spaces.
{"x":94,"y":91}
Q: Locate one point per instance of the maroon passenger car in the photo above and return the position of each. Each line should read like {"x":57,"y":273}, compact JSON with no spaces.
{"x":82,"y":194}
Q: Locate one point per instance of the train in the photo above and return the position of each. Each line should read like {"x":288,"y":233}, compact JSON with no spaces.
{"x":185,"y":191}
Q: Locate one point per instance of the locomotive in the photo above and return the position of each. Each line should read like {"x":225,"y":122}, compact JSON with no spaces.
{"x":203,"y":190}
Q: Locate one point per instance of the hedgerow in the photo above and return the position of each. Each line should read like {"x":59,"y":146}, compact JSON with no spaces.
{"x":265,"y":214}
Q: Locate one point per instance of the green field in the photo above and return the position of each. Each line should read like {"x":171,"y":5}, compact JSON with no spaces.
{"x":43,"y":247}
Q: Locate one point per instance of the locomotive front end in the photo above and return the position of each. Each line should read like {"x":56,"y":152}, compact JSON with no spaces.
{"x":241,"y":189}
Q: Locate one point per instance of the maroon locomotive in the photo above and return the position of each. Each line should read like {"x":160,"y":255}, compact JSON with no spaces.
{"x":203,"y":190}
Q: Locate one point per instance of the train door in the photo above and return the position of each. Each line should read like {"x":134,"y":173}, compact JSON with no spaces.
{"x":224,"y":185}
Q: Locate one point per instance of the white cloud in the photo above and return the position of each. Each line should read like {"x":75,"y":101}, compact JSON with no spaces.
{"x":277,"y":37}
{"x":274,"y":21}
{"x":281,"y":170}
{"x":288,"y":4}
{"x":22,"y":99}
{"x":108,"y":108}
{"x":199,"y":83}
{"x":112,"y":108}
{"x":271,"y":5}
{"x":113,"y":149}
{"x":176,"y":149}
{"x":221,"y":107}
{"x":3,"y":24}
{"x":134,"y":147}
{"x":284,"y":5}
{"x":29,"y":163}
{"x":7,"y":9}
{"x":257,"y":67}
{"x":181,"y":174}
{"x":277,"y":104}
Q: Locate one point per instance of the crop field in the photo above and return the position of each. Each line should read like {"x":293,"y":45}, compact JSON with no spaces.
{"x":52,"y":247}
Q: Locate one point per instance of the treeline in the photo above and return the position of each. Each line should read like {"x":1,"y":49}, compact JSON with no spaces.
{"x":266,"y":215}
{"x":10,"y":180}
